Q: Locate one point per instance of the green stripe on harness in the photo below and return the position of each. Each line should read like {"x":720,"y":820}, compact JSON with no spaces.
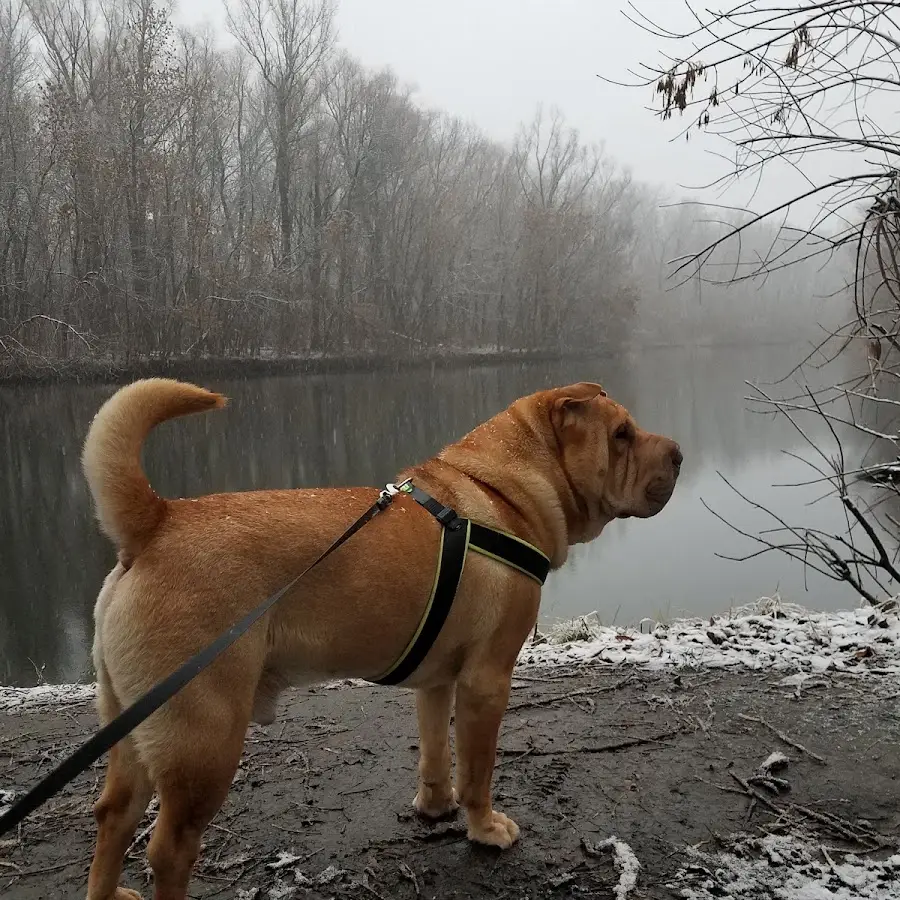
{"x":458,"y":536}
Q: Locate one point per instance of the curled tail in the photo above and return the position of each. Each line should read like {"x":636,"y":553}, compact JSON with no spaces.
{"x":127,"y":507}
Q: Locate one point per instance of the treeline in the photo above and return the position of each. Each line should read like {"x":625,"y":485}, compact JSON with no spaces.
{"x":161,"y":198}
{"x":767,"y":283}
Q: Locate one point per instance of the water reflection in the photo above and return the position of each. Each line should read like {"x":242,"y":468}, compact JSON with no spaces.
{"x":362,"y":428}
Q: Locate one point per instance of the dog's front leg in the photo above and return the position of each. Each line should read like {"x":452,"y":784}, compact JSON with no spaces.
{"x":436,"y":797}
{"x":481,"y":698}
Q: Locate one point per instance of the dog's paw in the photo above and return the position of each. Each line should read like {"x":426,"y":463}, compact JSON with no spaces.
{"x":127,"y":894}
{"x":430,"y":806}
{"x":500,"y":831}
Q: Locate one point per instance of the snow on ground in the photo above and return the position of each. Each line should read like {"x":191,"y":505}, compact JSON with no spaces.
{"x":625,"y":861}
{"x":15,"y":700}
{"x":43,"y":696}
{"x":767,"y":635}
{"x":7,"y":798}
{"x":779,"y":867}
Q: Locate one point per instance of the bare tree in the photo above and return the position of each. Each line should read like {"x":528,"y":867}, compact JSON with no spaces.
{"x":290,"y":41}
{"x":163,"y":199}
{"x":798,"y":91}
{"x":18,"y":163}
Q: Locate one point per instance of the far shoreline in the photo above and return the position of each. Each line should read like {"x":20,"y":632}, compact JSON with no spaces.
{"x":100,"y":371}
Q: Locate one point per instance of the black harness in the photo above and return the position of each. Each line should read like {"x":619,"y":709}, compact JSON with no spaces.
{"x":458,"y":536}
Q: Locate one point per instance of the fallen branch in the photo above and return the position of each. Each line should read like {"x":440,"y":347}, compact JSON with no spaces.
{"x":43,"y":870}
{"x":840,"y":826}
{"x":844,"y":828}
{"x":583,"y":692}
{"x":601,"y":748}
{"x":756,"y":795}
{"x":782,"y":736}
{"x":142,"y":835}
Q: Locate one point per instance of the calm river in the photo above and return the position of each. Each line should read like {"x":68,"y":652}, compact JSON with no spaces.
{"x":300,"y":431}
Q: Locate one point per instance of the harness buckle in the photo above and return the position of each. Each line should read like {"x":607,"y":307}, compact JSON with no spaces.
{"x":449,"y":518}
{"x":386,"y":497}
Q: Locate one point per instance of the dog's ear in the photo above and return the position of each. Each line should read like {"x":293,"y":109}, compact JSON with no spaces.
{"x":583,"y":390}
{"x":572,"y":403}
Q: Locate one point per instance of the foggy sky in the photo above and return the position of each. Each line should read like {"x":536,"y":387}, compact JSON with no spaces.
{"x":492,"y":62}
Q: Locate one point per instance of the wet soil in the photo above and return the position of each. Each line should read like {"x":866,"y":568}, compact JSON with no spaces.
{"x":320,"y":807}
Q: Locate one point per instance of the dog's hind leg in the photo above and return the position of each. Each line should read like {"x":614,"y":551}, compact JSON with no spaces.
{"x":125,"y":796}
{"x":192,"y":777}
{"x":436,"y":797}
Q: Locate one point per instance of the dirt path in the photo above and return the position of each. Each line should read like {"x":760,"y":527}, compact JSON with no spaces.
{"x":321,"y":804}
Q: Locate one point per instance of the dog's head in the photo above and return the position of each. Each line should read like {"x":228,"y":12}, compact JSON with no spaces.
{"x":573,"y":451}
{"x":614,"y":469}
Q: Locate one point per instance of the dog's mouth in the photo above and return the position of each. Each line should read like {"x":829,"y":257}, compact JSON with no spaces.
{"x":654,"y":501}
{"x":659,"y":493}
{"x":656,"y":495}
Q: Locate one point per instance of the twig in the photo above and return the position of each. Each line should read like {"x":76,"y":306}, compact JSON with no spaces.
{"x":755,"y":795}
{"x":141,"y":836}
{"x":601,"y":748}
{"x":514,"y":759}
{"x":782,"y":736}
{"x":406,"y":871}
{"x":841,"y":826}
{"x":371,"y":890}
{"x":583,"y":692}
{"x":242,"y":874}
{"x":359,"y":790}
{"x":289,"y":830}
{"x":42,"y":870}
{"x":835,"y":871}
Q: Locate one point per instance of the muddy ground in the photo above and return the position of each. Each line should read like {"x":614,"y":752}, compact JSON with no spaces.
{"x":661,"y":760}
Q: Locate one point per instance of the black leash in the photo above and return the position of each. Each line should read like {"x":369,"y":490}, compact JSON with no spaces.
{"x":110,"y":735}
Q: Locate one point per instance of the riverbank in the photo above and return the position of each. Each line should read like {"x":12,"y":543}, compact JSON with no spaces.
{"x":670,"y":764}
{"x":719,"y":772}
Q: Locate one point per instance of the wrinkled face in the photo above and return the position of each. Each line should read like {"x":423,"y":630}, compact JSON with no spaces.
{"x":615,"y":468}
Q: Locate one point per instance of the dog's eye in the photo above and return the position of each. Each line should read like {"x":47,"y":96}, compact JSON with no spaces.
{"x":623,"y":433}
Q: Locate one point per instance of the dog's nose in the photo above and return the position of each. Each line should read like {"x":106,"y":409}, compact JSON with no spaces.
{"x":677,"y":456}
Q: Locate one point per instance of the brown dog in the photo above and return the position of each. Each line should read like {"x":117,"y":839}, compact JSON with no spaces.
{"x":554,"y":469}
